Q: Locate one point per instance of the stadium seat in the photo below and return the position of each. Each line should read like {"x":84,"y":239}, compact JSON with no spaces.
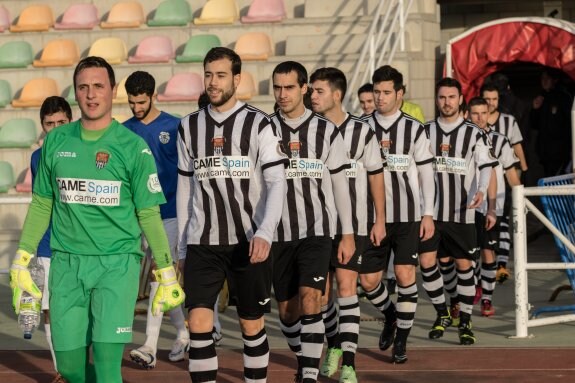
{"x":5,"y":93}
{"x":153,"y":49}
{"x":121,"y":117}
{"x":61,"y":52}
{"x":218,"y":12}
{"x":18,"y":133}
{"x":265,"y":11}
{"x":121,"y":94}
{"x":197,"y":47}
{"x":4,"y":19}
{"x":175,"y":13}
{"x":34,"y":18}
{"x":112,"y":49}
{"x":35,"y":92}
{"x":125,"y":14}
{"x":254,"y":46}
{"x":79,"y":16}
{"x":26,"y":185}
{"x":6,"y":176}
{"x":16,"y":54}
{"x":183,"y":87}
{"x":247,"y":87}
{"x":71,"y":95}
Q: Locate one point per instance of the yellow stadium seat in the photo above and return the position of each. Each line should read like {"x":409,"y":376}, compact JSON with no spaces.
{"x":153,"y":49}
{"x":247,"y":87}
{"x":112,"y":49}
{"x":79,"y":16}
{"x":218,"y":12}
{"x":125,"y":14}
{"x":62,"y":52}
{"x":254,"y":46}
{"x":34,"y":18}
{"x":4,"y":19}
{"x":121,"y":94}
{"x":183,"y":87}
{"x":35,"y":92}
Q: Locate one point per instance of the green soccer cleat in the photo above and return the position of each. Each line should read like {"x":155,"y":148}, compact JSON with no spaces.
{"x":347,"y":375}
{"x":439,"y":326}
{"x":466,"y":336}
{"x":330,"y":364}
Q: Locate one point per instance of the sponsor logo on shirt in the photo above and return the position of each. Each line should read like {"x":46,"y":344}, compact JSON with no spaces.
{"x":154,"y":184}
{"x":352,"y":172}
{"x":385,"y":145}
{"x":66,"y":154}
{"x":304,"y":168}
{"x":164,"y":137}
{"x":102,"y":159}
{"x":89,"y":192}
{"x":222,"y":167}
{"x":295,"y":147}
{"x":444,"y":148}
{"x":450,"y":165}
{"x":398,"y":162}
{"x":218,"y":145}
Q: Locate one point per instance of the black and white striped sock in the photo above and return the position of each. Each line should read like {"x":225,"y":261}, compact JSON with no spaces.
{"x":349,"y":328}
{"x":203,"y":364}
{"x":256,"y":357}
{"x":329,"y":315}
{"x":312,"y":333}
{"x":466,"y":290}
{"x":488,"y":272}
{"x":433,"y":285}
{"x":406,"y":307}
{"x":379,"y":297}
{"x":449,"y":275}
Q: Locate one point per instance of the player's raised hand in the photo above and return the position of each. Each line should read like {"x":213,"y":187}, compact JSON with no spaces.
{"x":21,"y":280}
{"x":170,"y":294}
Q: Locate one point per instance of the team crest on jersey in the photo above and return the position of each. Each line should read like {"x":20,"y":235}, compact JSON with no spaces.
{"x":218,"y":145}
{"x":385,"y":145}
{"x":281,"y":150}
{"x":294,"y":147}
{"x":444,"y":149}
{"x":164,"y":137}
{"x":102,"y":159}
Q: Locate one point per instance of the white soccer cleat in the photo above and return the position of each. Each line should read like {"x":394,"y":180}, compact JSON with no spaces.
{"x":217,"y":336}
{"x":179,"y":350}
{"x":144,"y":356}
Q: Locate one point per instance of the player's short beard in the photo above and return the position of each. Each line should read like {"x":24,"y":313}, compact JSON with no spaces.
{"x":146,"y":112}
{"x":225,"y":97}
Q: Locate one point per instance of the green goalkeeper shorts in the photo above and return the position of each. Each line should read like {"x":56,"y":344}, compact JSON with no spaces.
{"x":92,"y":299}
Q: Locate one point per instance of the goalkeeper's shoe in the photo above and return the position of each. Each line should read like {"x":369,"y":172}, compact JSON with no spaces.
{"x":330,"y":364}
{"x":179,"y":350}
{"x":502,"y":274}
{"x":438,"y":328}
{"x":169,"y":294}
{"x":145,"y":356}
{"x":347,"y":375}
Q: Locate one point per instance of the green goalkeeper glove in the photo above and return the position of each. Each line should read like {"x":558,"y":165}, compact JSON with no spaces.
{"x":21,"y":280}
{"x":170,"y":294}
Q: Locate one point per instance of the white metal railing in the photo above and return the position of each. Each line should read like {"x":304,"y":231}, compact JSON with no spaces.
{"x":521,"y":206}
{"x":376,"y":49}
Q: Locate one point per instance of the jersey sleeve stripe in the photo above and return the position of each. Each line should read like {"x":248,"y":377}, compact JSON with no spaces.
{"x":185,"y":173}
{"x":342,"y":167}
{"x":283,"y":162}
{"x":429,"y":160}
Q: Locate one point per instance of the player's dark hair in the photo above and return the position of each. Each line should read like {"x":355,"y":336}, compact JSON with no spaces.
{"x":292,"y":66}
{"x":95,"y":62}
{"x":140,"y":82}
{"x":55,"y":104}
{"x":219,"y":53}
{"x":489,"y":87}
{"x":203,"y":100}
{"x":476,"y":101}
{"x":388,"y":73}
{"x":449,"y":83}
{"x":365,"y":88}
{"x":333,"y":76}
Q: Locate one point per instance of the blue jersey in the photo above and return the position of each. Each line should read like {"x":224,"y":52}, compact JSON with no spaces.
{"x":44,"y":246}
{"x":161,"y":136}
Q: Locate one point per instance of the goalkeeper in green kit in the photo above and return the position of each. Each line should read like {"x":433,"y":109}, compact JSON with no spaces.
{"x":98,"y":181}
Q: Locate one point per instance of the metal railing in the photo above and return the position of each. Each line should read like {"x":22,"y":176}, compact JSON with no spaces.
{"x":377,"y":49}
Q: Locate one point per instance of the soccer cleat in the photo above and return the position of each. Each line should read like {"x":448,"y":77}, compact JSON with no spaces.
{"x":387,"y":335}
{"x":487,"y":308}
{"x":298,"y":378}
{"x":399,"y":353}
{"x":347,"y":375}
{"x":439,"y":326}
{"x":466,"y":336}
{"x":217,"y":337}
{"x":502,"y":274}
{"x":330,"y":364}
{"x":144,"y":356}
{"x":179,"y":350}
{"x":454,"y":310}
{"x":478,"y":294}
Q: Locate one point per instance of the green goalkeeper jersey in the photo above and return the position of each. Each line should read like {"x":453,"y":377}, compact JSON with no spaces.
{"x":97,"y":186}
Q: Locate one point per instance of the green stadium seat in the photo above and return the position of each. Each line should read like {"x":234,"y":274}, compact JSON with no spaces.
{"x":70,"y":95}
{"x":197,"y":47}
{"x":5,"y":93}
{"x":7,"y":179}
{"x":171,"y":13}
{"x":18,"y":133}
{"x":16,"y":54}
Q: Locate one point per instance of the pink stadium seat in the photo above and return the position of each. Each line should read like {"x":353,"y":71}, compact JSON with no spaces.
{"x":183,"y":87}
{"x":125,"y":14}
{"x":153,"y":49}
{"x":61,"y":52}
{"x":35,"y":92}
{"x":79,"y":16}
{"x":247,"y":87}
{"x":26,"y":185}
{"x":254,"y":46}
{"x":265,"y":11}
{"x":4,"y":18}
{"x":34,"y":18}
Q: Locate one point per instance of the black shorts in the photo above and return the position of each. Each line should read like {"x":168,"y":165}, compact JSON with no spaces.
{"x":486,"y":239}
{"x":402,"y":238}
{"x":362,"y":242}
{"x":457,"y":240}
{"x":303,"y":262}
{"x":206,"y":268}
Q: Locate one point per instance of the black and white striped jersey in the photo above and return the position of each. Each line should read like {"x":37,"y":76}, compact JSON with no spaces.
{"x":365,"y":158}
{"x":502,"y":150}
{"x":224,"y":164}
{"x":316,"y":151}
{"x":460,"y":150}
{"x":405,"y":149}
{"x":507,"y":125}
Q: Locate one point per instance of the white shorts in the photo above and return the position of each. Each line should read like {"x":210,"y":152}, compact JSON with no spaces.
{"x":45,"y":262}
{"x":171,"y":227}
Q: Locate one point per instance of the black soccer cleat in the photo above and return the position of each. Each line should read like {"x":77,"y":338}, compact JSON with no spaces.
{"x":387,"y":335}
{"x":439,"y":326}
{"x":399,"y":353}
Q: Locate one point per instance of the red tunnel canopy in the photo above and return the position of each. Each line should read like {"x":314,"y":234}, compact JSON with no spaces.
{"x":492,"y":46}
